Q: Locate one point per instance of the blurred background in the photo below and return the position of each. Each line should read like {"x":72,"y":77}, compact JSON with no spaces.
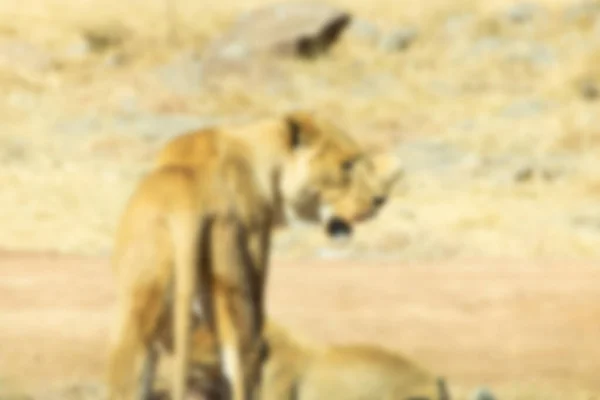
{"x":492,"y":107}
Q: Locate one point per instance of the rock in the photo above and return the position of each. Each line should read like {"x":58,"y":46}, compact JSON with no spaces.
{"x":399,"y":39}
{"x":301,"y":29}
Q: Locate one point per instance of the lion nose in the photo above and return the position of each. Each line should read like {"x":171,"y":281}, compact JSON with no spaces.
{"x":378,"y":201}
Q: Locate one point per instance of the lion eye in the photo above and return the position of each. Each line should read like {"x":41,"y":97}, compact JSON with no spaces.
{"x":347,"y":165}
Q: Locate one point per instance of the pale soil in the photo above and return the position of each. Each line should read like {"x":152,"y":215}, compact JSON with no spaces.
{"x":527,"y":330}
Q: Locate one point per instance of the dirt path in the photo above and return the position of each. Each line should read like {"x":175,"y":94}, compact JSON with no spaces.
{"x":513,"y":326}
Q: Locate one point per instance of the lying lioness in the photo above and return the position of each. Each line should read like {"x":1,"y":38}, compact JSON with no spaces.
{"x":297,"y":371}
{"x":197,"y":230}
{"x":353,"y":372}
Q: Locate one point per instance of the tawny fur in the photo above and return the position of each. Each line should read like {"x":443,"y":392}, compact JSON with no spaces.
{"x":298,"y":370}
{"x":197,"y":229}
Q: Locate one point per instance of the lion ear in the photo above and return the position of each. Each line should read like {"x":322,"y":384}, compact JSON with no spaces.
{"x":388,"y":168}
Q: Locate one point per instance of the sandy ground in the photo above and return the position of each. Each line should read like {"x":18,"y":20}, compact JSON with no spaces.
{"x":528,"y":331}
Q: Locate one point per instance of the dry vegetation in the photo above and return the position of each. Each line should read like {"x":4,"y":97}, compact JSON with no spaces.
{"x":491,"y":107}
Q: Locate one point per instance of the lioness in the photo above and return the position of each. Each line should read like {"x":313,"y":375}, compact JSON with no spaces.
{"x":295,"y":370}
{"x":197,"y":229}
{"x":374,"y":174}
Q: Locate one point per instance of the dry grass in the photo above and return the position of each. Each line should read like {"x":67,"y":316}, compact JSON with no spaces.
{"x":71,"y":150}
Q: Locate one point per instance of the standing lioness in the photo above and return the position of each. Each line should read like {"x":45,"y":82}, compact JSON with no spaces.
{"x":197,"y":229}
